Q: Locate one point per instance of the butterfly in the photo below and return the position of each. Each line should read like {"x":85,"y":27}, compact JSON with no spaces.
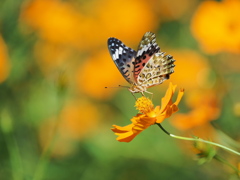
{"x":144,"y":68}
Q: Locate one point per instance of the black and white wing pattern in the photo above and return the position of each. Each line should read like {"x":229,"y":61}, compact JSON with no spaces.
{"x":123,"y":57}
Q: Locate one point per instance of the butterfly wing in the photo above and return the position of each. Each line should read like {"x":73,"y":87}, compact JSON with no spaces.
{"x":157,"y":70}
{"x":123,"y":57}
{"x":146,"y":49}
{"x":152,"y":66}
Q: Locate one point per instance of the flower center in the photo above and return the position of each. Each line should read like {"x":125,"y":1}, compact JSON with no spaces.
{"x":144,"y":105}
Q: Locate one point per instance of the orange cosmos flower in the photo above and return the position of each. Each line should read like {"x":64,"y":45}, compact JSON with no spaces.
{"x":56,"y":21}
{"x":4,"y":61}
{"x":205,"y":108}
{"x":149,"y":115}
{"x":238,"y":166}
{"x":194,"y":77}
{"x":172,"y":9}
{"x":89,"y":76}
{"x":52,"y":57}
{"x":87,"y":25}
{"x":216,"y":26}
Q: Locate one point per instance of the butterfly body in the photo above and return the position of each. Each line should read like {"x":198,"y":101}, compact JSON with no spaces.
{"x":144,"y":68}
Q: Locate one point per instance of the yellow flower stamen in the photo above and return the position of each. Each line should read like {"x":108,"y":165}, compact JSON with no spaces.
{"x":144,"y":105}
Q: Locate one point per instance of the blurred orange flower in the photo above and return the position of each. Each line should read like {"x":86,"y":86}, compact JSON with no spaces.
{"x":238,"y":166}
{"x":89,"y":24}
{"x":124,"y":19}
{"x":149,"y":115}
{"x":78,"y":119}
{"x":54,"y":20}
{"x":216,"y":26}
{"x":205,"y":108}
{"x":75,"y":122}
{"x":96,"y":73}
{"x":172,"y":9}
{"x":191,"y":69}
{"x":4,"y":62}
{"x":53,"y":57}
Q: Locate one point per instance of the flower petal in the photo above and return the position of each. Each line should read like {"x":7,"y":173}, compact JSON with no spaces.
{"x":119,"y":129}
{"x":179,"y":97}
{"x":126,"y":137}
{"x":168,"y":96}
{"x":127,"y":133}
{"x":160,"y":118}
{"x":169,"y":108}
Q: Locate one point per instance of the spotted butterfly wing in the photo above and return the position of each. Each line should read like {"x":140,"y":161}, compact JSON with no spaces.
{"x":152,"y":66}
{"x":123,"y":57}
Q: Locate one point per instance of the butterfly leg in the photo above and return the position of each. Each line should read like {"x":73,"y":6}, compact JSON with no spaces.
{"x":150,"y":93}
{"x":134,"y":96}
{"x":143,"y":94}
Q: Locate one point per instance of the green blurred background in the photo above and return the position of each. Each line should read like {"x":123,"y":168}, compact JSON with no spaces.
{"x":56,"y":115}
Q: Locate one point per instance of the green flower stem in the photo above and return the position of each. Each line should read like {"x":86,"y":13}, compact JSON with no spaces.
{"x":220,"y":159}
{"x":199,"y":140}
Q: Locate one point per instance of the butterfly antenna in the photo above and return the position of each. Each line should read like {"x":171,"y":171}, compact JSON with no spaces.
{"x":123,"y":86}
{"x":118,"y":86}
{"x":111,"y":87}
